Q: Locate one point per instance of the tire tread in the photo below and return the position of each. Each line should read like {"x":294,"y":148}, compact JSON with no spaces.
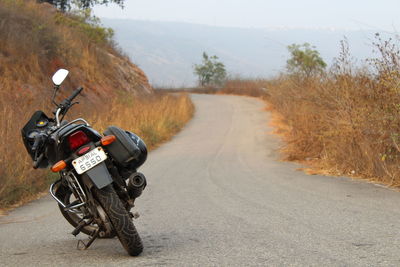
{"x":120,"y":219}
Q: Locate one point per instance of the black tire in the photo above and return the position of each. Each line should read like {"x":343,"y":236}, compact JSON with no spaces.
{"x":64,"y":193}
{"x":120,"y":219}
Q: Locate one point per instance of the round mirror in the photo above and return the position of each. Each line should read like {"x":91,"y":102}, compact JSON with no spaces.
{"x":59,"y":76}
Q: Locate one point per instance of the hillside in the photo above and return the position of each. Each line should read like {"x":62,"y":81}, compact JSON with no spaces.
{"x":168,"y":50}
{"x":35,"y":41}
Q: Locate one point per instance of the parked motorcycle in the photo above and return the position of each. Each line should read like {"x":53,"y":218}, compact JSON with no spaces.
{"x":98,"y":181}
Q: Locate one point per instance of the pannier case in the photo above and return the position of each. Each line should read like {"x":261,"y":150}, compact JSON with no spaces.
{"x":123,"y":150}
{"x":135,"y":164}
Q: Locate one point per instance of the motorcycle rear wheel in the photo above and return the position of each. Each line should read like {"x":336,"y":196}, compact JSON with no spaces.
{"x":120,"y":219}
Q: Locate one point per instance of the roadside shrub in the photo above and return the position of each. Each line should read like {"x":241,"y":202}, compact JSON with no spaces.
{"x":347,"y":121}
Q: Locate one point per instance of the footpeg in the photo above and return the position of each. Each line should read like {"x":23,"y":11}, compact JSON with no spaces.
{"x":78,"y":229}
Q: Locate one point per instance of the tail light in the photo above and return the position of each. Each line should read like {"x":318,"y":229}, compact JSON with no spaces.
{"x":83,"y":150}
{"x":77,"y":140}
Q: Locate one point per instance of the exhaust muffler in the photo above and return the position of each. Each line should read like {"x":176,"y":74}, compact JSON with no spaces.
{"x":136,"y":183}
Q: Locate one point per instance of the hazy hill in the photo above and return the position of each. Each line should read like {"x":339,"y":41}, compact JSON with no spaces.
{"x":167,"y":50}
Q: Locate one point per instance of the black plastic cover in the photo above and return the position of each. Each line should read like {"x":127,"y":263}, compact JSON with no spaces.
{"x":28,"y":131}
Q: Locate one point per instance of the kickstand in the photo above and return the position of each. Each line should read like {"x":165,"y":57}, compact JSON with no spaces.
{"x":82,"y":246}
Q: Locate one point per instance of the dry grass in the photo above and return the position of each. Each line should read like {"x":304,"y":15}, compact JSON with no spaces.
{"x":34,"y":42}
{"x":155,"y":118}
{"x":347,"y":121}
{"x":344,"y":125}
{"x":247,"y":87}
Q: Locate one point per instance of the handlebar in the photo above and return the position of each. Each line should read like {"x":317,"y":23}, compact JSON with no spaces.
{"x":37,"y":161}
{"x":38,"y":140}
{"x":63,"y":108}
{"x":75,"y":94}
{"x":36,"y":143}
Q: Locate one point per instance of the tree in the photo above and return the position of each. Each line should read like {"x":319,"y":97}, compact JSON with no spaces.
{"x":304,"y":60}
{"x":82,"y":4}
{"x":211,"y":71}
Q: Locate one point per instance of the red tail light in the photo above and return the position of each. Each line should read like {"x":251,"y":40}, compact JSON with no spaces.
{"x":83,"y":150}
{"x":77,"y":140}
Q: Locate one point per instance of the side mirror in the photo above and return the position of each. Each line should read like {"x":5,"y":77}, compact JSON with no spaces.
{"x":59,"y":76}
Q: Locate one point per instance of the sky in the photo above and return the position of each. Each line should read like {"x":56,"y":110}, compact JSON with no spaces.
{"x":380,"y":15}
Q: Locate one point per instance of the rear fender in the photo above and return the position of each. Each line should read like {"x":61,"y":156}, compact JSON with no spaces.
{"x":99,"y":176}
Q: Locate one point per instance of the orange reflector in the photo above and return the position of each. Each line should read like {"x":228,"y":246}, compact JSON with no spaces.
{"x":109,"y":139}
{"x":61,"y":165}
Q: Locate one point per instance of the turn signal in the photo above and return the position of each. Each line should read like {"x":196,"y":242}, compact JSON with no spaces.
{"x":109,"y":139}
{"x":61,"y":165}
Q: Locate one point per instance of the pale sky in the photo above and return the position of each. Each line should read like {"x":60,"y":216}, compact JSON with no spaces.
{"x":336,"y":14}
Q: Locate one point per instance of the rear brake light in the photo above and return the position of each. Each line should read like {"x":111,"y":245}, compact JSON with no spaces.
{"x":78,"y":139}
{"x":83,"y":150}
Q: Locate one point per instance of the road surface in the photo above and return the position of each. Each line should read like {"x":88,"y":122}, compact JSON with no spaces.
{"x":218,"y":196}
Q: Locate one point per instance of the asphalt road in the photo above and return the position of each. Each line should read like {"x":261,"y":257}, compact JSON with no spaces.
{"x":218,"y":196}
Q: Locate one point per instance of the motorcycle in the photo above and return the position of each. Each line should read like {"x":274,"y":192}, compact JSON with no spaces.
{"x":98,"y":179}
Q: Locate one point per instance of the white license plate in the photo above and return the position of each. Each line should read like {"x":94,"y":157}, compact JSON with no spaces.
{"x":89,"y":160}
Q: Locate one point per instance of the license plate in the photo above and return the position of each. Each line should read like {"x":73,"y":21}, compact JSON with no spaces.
{"x":89,"y":160}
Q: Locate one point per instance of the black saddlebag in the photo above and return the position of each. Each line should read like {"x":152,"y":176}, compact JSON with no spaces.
{"x":135,"y":164}
{"x":124,"y":150}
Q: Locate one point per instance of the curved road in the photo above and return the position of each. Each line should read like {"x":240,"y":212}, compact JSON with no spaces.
{"x":217,"y":196}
